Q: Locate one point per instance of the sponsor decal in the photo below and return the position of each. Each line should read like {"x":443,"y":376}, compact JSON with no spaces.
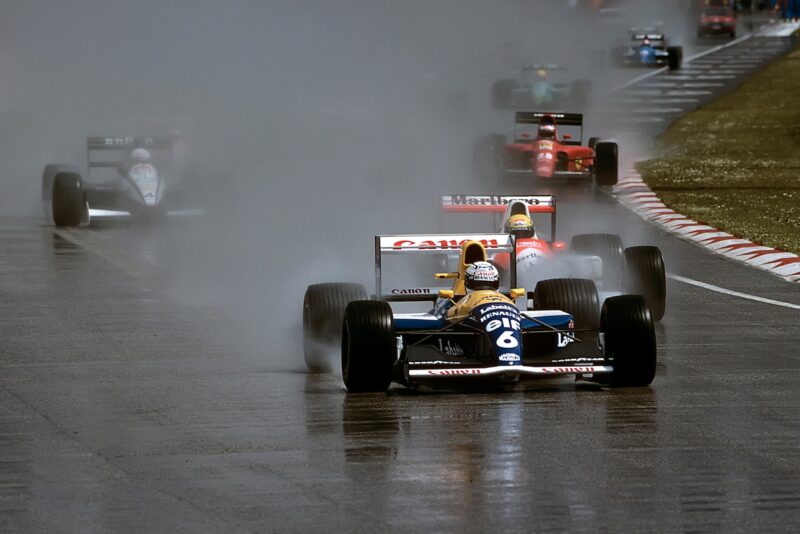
{"x":564,"y":340}
{"x":411,"y":291}
{"x":545,"y":145}
{"x":508,"y":357}
{"x":454,"y":372}
{"x":431,"y":362}
{"x":589,"y":361}
{"x":450,"y":348}
{"x":501,"y":321}
{"x":563,"y":370}
{"x":442,"y":243}
{"x":491,"y":200}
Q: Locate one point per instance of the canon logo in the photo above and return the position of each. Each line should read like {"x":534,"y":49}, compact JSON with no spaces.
{"x":455,"y":372}
{"x":442,"y":243}
{"x":411,"y":291}
{"x":568,"y":369}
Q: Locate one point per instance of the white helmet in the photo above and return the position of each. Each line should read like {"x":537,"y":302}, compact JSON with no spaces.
{"x":139,"y":155}
{"x":481,"y":275}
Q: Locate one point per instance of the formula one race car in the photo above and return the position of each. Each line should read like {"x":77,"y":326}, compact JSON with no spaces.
{"x":128,"y":182}
{"x":539,"y":86}
{"x":717,"y":20}
{"x":537,"y":149}
{"x":647,"y":48}
{"x":465,"y":335}
{"x":539,"y":256}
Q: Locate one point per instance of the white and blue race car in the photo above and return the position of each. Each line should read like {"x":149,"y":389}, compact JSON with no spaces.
{"x":460,"y":336}
{"x":125,"y":177}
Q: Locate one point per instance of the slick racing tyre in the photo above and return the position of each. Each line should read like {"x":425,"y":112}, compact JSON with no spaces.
{"x":576,"y":296}
{"x":646,"y":274}
{"x":368,"y":346}
{"x":323,"y":309}
{"x":609,"y":248}
{"x":68,"y":199}
{"x":630,"y":340}
{"x":503,"y":93}
{"x":674,"y":57}
{"x":606,"y":163}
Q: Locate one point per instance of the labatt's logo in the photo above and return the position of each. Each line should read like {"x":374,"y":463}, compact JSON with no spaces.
{"x":441,"y":243}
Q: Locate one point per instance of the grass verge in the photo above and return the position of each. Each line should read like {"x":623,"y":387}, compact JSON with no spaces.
{"x":735,"y":163}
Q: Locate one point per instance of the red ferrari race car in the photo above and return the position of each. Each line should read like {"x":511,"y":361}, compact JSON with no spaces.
{"x":717,"y":20}
{"x":538,"y":148}
{"x":601,"y":258}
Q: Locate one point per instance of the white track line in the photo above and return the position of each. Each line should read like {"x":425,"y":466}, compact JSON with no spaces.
{"x":724,"y":291}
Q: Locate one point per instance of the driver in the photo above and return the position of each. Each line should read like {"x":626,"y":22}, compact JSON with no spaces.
{"x":135,"y":157}
{"x":547,"y":128}
{"x":521,"y":227}
{"x":482,"y":281}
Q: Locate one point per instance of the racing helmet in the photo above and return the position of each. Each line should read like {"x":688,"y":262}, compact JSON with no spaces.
{"x":541,"y":74}
{"x":521,"y":227}
{"x":139,"y":155}
{"x":547,"y":128}
{"x":646,"y":42}
{"x":481,"y":275}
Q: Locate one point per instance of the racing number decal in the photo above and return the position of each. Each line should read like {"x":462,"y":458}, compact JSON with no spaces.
{"x":506,"y":339}
{"x":502,"y":323}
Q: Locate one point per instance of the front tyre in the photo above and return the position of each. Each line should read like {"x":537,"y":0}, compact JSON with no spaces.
{"x":630,"y":340}
{"x":674,"y":57}
{"x":647,"y":277}
{"x":323,"y":309}
{"x":576,"y":296}
{"x":68,"y":199}
{"x":368,"y":346}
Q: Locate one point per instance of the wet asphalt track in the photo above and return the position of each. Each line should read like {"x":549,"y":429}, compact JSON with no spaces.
{"x":125,"y":408}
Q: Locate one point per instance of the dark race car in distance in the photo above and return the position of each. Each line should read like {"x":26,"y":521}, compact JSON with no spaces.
{"x":647,"y":48}
{"x":541,"y":86}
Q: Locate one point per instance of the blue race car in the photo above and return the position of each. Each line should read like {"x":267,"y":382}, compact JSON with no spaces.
{"x":495,"y":335}
{"x":648,"y":48}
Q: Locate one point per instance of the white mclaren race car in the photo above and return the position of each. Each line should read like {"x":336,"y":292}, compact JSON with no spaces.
{"x":601,"y":258}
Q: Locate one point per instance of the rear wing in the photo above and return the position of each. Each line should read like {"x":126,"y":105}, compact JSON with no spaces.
{"x":432,"y":244}
{"x":500,"y":204}
{"x":118,"y":148}
{"x":562,"y":119}
{"x":497,"y":204}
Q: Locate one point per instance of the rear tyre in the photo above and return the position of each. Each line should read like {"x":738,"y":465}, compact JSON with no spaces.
{"x":606,"y":163}
{"x":503,"y":93}
{"x":674,"y":57}
{"x":368,"y":346}
{"x":68,"y":199}
{"x":609,"y":248}
{"x":647,"y":277}
{"x":576,"y":296}
{"x":323,"y":309}
{"x":630,"y":340}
